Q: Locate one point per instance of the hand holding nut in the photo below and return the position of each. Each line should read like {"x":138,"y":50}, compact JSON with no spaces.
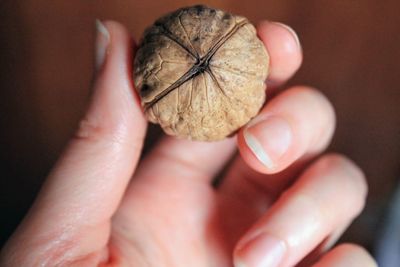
{"x":201,"y":73}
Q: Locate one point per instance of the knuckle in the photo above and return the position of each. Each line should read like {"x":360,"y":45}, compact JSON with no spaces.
{"x":88,"y":129}
{"x":94,"y":130}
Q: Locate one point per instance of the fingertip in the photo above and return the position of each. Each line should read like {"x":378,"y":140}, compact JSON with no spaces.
{"x":121,"y":42}
{"x":115,"y":27}
{"x":120,"y":30}
{"x":114,"y":111}
{"x":284,"y":49}
{"x":296,"y":123}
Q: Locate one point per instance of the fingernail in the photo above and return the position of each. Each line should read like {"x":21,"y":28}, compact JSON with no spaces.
{"x":102,"y":41}
{"x":292,"y":32}
{"x":262,"y":251}
{"x":269,"y":139}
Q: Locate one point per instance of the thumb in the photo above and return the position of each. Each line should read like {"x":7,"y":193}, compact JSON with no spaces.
{"x":71,"y":216}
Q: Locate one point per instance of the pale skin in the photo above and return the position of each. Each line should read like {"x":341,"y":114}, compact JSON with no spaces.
{"x":101,"y":207}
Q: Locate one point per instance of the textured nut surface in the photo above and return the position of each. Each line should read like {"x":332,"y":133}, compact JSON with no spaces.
{"x":200,"y":73}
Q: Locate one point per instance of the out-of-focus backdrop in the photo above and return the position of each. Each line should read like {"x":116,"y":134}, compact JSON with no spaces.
{"x":351,"y":53}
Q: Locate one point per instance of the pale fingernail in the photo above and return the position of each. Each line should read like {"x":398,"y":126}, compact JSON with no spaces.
{"x":269,"y":139}
{"x":292,"y":32}
{"x":102,"y":41}
{"x":262,"y":251}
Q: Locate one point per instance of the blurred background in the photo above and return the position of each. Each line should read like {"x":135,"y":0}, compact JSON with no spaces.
{"x":351,"y":53}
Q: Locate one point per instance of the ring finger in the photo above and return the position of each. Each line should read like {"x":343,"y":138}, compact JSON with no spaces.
{"x":328,"y":195}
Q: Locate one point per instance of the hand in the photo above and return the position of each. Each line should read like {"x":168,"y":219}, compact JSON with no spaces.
{"x":91,"y":211}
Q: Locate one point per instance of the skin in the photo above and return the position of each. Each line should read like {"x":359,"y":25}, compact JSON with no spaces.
{"x":100,"y":207}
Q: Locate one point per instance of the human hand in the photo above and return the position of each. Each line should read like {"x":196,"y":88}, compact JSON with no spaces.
{"x":92,"y":211}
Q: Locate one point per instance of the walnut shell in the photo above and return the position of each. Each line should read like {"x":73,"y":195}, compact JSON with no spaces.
{"x":201,"y":73}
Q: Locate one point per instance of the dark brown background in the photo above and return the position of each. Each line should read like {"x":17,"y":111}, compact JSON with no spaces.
{"x":351,"y":52}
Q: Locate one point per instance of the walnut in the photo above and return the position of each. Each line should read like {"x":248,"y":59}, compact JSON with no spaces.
{"x":201,"y":72}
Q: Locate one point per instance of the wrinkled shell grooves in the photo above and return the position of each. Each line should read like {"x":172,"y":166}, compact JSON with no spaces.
{"x":200,"y":73}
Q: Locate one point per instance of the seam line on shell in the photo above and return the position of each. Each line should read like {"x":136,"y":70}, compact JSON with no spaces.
{"x":193,"y":71}
{"x":167,"y":33}
{"x":209,"y":71}
{"x":191,"y":94}
{"x":235,"y":71}
{"x":206,"y":91}
{"x":187,"y":35}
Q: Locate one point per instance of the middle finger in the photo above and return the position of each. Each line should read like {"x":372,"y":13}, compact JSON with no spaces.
{"x":300,"y":119}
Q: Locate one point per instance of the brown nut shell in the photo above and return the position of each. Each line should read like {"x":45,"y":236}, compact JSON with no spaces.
{"x":200,"y":73}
